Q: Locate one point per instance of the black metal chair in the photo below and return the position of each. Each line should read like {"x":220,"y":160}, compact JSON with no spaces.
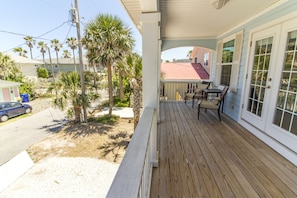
{"x":197,"y":93}
{"x":213,"y":104}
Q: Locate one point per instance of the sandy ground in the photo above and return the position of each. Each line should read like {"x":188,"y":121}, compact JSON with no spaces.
{"x":79,"y":161}
{"x":64,"y":177}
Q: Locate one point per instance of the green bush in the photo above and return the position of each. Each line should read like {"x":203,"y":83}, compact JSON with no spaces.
{"x":27,"y":88}
{"x":105,"y":119}
{"x":42,"y":72}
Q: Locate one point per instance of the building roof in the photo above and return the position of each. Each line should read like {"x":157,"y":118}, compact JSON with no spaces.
{"x":183,"y":71}
{"x":66,"y":61}
{"x":22,"y":60}
{"x":4,"y":83}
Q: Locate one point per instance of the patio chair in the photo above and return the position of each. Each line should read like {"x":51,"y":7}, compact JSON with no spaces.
{"x":197,"y":93}
{"x":213,"y":104}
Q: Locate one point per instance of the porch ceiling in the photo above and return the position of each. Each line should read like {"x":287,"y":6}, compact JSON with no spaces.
{"x":196,"y":19}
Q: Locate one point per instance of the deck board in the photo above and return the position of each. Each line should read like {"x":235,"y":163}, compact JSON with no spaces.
{"x":209,"y":158}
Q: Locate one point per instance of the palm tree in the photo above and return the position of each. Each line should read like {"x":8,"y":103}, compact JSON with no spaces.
{"x":122,"y":69}
{"x":189,"y":54}
{"x":57,"y":46}
{"x":66,"y":54}
{"x":112,"y":39}
{"x":134,"y":63}
{"x":70,"y":93}
{"x":72,"y":43}
{"x":43,"y":47}
{"x":91,"y":55}
{"x":30,"y":42}
{"x":8,"y":69}
{"x":20,"y":51}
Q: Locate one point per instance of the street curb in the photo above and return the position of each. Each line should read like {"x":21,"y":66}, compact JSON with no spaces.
{"x":14,"y":168}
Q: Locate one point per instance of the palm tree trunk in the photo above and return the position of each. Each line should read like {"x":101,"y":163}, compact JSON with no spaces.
{"x":58,"y":61}
{"x":110,"y":91}
{"x":77,"y":113}
{"x":136,"y":106}
{"x":74,"y":60}
{"x":43,"y":60}
{"x":31,"y":53}
{"x":121,"y":85}
{"x":136,"y":100}
{"x":94,"y":70}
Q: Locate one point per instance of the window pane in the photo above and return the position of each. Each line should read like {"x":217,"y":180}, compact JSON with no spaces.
{"x":285,"y":80}
{"x":277,"y":117}
{"x":294,"y":125}
{"x":281,"y":99}
{"x":292,"y":36}
{"x":226,"y":74}
{"x":228,"y":50}
{"x":293,"y":82}
{"x":290,"y":102}
{"x":288,"y":61}
{"x":286,"y":121}
{"x":256,"y":63}
{"x":295,"y":62}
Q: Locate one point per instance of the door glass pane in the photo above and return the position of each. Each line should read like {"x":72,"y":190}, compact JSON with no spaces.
{"x":259,"y":75}
{"x":293,"y":82}
{"x":294,"y":125}
{"x":286,"y":108}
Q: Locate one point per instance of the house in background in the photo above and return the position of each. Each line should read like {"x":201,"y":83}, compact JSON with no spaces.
{"x":67,"y":65}
{"x":203,"y":56}
{"x":27,"y":66}
{"x":180,"y":77}
{"x":9,"y":91}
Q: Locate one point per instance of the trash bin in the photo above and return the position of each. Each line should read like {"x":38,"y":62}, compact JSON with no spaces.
{"x":25,"y":97}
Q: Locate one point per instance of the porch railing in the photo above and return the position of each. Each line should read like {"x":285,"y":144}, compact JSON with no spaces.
{"x":174,"y":90}
{"x":133,"y":178}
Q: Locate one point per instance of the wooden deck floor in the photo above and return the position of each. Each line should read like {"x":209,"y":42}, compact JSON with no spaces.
{"x":208,"y":158}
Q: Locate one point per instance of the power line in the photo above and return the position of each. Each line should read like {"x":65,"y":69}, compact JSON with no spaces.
{"x":38,"y":37}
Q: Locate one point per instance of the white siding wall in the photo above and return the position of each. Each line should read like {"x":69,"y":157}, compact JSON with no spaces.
{"x":234,"y":99}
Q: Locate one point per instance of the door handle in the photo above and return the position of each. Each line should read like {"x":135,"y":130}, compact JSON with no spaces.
{"x":267,"y":87}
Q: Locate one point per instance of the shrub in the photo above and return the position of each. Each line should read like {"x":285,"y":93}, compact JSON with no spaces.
{"x":42,"y":72}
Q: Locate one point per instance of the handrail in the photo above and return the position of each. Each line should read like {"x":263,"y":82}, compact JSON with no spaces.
{"x":133,"y":177}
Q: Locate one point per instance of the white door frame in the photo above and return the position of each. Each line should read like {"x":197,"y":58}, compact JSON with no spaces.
{"x":260,"y":122}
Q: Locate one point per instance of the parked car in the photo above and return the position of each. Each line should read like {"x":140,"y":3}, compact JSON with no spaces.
{"x":12,"y":109}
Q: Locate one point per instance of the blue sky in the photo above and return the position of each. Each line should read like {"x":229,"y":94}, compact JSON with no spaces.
{"x":49,"y":18}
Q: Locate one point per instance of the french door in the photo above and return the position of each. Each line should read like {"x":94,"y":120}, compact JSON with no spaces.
{"x":259,"y":82}
{"x":270,"y":100}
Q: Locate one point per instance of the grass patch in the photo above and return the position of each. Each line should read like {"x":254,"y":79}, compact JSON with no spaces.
{"x":117,"y":102}
{"x":105,"y":119}
{"x":124,"y":103}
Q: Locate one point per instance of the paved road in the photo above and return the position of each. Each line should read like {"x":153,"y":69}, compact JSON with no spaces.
{"x":17,"y":136}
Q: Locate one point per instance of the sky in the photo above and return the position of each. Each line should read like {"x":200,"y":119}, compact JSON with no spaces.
{"x":46,"y":20}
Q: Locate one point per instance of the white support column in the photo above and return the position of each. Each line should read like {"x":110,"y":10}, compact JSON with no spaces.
{"x":151,"y":69}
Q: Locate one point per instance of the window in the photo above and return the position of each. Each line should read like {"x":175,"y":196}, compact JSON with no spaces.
{"x":206,"y":58}
{"x":227,"y":60}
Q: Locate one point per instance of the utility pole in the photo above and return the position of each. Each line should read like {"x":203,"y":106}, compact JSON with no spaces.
{"x":77,"y":21}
